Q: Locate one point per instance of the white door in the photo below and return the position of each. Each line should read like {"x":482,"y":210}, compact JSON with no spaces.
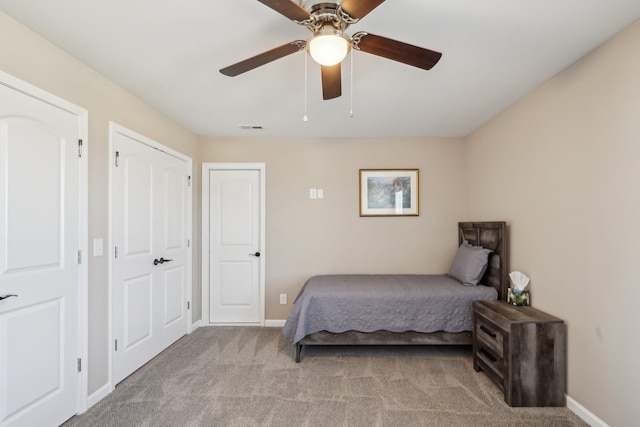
{"x":40,"y":240}
{"x":235,"y":246}
{"x":151,"y":268}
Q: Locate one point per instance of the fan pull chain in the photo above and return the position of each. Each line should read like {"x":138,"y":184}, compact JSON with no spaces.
{"x":351,"y":86}
{"x":305,"y":118}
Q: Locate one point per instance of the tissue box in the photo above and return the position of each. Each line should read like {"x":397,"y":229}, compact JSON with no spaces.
{"x":521,"y":298}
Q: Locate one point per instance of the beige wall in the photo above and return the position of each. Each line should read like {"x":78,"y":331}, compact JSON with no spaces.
{"x":307,"y":237}
{"x":27,"y":56}
{"x":565,"y":172}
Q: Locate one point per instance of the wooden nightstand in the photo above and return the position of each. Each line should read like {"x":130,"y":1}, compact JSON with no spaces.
{"x":522,"y":350}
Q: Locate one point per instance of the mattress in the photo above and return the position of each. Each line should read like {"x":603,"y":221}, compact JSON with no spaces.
{"x":396,"y":303}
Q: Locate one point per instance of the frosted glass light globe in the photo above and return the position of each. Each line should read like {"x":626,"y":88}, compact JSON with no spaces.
{"x":328,"y":49}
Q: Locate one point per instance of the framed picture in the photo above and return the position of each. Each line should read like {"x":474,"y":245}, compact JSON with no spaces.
{"x":388,"y":192}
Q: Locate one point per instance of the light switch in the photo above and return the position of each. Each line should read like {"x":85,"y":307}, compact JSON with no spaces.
{"x":98,"y":247}
{"x":320,"y":193}
{"x":313,"y":194}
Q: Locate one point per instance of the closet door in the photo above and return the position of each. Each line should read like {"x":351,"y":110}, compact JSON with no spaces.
{"x":151,"y":269}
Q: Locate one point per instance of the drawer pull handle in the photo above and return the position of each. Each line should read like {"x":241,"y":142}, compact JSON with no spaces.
{"x":488,"y":355}
{"x":487,"y":331}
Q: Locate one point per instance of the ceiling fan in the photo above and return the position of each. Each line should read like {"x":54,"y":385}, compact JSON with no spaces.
{"x":329,"y":44}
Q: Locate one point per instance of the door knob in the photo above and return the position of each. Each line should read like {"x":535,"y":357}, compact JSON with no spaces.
{"x":161,"y":261}
{"x":8,"y":296}
{"x":257,"y":254}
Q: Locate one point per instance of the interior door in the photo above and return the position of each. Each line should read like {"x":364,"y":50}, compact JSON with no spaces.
{"x":40,"y":276}
{"x":151,"y":267}
{"x":235,"y":246}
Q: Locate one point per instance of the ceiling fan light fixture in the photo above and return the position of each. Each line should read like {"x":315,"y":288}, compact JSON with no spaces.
{"x":328,"y":46}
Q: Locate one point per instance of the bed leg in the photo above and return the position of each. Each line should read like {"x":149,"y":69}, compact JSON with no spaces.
{"x":298,"y":352}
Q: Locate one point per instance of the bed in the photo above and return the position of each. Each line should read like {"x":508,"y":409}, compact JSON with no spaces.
{"x":404,"y":309}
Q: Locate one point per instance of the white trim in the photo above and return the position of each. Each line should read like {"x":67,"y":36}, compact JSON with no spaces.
{"x":109,"y":386}
{"x":28,"y":89}
{"x":274,"y":323}
{"x":243,"y":324}
{"x":113,"y":129}
{"x":206,"y":168}
{"x":83,"y":297}
{"x":195,"y":325}
{"x":83,"y":215}
{"x":100,"y":394}
{"x":582,"y":412}
{"x":266,"y":324}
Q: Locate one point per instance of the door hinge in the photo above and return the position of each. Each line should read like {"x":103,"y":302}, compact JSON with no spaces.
{"x":188,"y":243}
{"x":188,"y":305}
{"x":79,"y":257}
{"x":79,"y":365}
{"x":189,"y":181}
{"x":115,"y":252}
{"x":116,"y":345}
{"x":117,"y":158}
{"x":79,"y":148}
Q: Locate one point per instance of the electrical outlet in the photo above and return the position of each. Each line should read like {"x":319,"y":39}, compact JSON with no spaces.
{"x":283,"y":298}
{"x":313,"y":193}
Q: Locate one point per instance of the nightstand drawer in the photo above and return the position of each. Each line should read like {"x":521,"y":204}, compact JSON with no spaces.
{"x":490,"y":336}
{"x":491,"y":364}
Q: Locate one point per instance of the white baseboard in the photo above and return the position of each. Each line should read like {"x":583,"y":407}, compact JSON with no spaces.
{"x":195,"y":325}
{"x":274,"y":323}
{"x":99,"y":394}
{"x":586,"y":415}
{"x":266,"y":324}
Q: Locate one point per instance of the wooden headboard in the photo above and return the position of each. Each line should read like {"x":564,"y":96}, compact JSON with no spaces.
{"x":491,"y":235}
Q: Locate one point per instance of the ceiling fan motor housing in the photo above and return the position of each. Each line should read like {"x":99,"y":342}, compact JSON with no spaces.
{"x":313,"y":5}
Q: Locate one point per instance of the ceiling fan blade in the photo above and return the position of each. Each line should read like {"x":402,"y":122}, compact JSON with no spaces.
{"x":395,"y":50}
{"x":331,"y":81}
{"x":288,"y":8}
{"x":358,"y":9}
{"x":263,"y":58}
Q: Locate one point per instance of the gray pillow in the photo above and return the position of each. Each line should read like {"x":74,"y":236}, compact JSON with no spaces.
{"x":469,"y":264}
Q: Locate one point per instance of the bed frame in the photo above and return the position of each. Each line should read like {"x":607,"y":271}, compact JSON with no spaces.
{"x":491,"y":235}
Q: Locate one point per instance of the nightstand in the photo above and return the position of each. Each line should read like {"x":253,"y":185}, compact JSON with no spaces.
{"x":522,"y":350}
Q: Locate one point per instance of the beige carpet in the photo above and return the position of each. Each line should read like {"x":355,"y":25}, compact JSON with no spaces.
{"x":232,"y":376}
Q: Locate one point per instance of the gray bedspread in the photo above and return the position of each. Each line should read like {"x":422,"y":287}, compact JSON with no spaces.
{"x":396,"y":303}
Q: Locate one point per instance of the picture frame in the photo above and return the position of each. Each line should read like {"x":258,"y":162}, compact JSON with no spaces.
{"x":389,"y":192}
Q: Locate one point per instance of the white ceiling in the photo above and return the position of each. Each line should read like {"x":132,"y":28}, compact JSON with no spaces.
{"x":168,"y":53}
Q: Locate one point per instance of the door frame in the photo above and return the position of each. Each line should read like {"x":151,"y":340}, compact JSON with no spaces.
{"x":206,"y":168}
{"x":83,"y":203}
{"x":113,"y":129}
